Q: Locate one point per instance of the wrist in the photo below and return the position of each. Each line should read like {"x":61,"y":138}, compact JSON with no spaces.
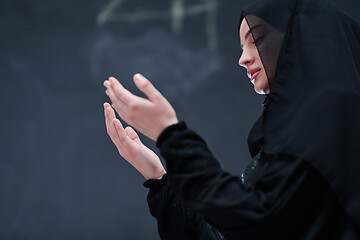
{"x":166,"y":133}
{"x":157,"y":175}
{"x":161,"y":174}
{"x":165,"y":126}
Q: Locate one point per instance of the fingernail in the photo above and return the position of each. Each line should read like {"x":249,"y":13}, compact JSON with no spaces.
{"x":139,"y":78}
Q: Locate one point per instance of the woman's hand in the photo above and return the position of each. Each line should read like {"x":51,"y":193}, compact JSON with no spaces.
{"x":131,"y":148}
{"x":149,"y":116}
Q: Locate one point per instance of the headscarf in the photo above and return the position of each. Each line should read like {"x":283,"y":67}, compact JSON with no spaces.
{"x":312,"y":51}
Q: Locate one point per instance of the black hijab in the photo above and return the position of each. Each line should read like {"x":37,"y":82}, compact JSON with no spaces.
{"x":311,"y":50}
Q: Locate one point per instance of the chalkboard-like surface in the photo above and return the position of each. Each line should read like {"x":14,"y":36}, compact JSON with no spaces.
{"x":60,"y":175}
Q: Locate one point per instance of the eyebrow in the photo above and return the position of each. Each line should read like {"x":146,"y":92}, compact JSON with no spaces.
{"x":249,"y":31}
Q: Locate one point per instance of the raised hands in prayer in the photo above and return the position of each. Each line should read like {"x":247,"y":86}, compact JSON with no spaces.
{"x":149,"y":116}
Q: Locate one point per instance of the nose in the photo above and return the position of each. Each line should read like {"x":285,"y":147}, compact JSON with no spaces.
{"x":245,"y":59}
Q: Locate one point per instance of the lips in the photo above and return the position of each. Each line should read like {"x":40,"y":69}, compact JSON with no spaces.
{"x":253,"y":76}
{"x":253,"y":72}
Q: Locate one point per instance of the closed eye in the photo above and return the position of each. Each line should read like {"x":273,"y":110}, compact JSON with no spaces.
{"x":258,"y":40}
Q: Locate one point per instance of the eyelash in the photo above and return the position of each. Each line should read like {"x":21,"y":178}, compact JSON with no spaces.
{"x":258,"y":41}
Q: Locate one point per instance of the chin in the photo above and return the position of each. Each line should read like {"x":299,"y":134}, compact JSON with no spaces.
{"x":261,"y":87}
{"x":260,"y":92}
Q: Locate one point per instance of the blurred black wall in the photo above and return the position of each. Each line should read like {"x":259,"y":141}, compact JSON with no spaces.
{"x":60,"y":175}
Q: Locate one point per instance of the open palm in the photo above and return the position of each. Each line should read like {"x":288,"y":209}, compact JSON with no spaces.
{"x":131,"y":148}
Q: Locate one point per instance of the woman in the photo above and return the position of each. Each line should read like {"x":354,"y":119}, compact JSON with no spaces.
{"x":303,"y":181}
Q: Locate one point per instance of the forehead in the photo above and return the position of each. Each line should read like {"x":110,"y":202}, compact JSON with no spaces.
{"x":243,"y":28}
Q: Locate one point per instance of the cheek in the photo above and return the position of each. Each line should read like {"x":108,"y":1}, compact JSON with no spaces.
{"x":258,"y":59}
{"x":264,"y":80}
{"x":261,"y":83}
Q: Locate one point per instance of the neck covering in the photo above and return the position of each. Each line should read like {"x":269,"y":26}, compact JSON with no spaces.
{"x":312,"y":51}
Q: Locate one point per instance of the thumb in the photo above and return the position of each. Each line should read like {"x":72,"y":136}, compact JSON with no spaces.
{"x":146,"y":86}
{"x":132,"y":134}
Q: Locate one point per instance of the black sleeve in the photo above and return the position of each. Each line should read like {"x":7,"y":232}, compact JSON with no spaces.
{"x":226,"y":203}
{"x":176,"y":220}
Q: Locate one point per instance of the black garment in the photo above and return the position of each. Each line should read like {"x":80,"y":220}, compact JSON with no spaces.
{"x":277,"y":197}
{"x":308,"y":182}
{"x":175,"y":219}
{"x":311,"y":53}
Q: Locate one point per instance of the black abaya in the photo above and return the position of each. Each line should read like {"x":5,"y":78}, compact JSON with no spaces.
{"x":277,"y":197}
{"x":304,"y":179}
{"x":312,"y":51}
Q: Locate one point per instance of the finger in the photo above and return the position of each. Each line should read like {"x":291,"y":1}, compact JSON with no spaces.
{"x":106,"y":105}
{"x":146,"y":87}
{"x":109,"y":113}
{"x":122,"y":136}
{"x":109,"y":91}
{"x":117,"y":105}
{"x":111,"y":129}
{"x":132,"y":134}
{"x":109,"y":116}
{"x":110,"y":110}
{"x":124,"y":95}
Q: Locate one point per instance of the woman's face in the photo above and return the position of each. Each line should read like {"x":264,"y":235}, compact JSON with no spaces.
{"x":250,"y":60}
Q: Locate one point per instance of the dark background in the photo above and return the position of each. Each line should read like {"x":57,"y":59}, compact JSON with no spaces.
{"x":60,"y":175}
